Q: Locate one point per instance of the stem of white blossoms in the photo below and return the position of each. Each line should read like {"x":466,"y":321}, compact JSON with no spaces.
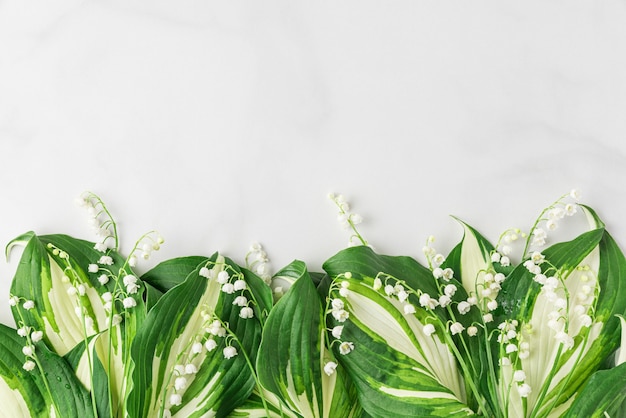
{"x":29,"y":365}
{"x":105,"y":229}
{"x":550,"y":215}
{"x":347,"y":219}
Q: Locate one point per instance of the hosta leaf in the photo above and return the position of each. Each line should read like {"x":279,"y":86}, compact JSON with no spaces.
{"x":50,"y":267}
{"x":293,"y":353}
{"x":398,"y":370}
{"x":604,"y":392}
{"x":166,"y":275}
{"x":590,"y":264}
{"x":470,"y":261}
{"x":170,"y":273}
{"x":180,"y":318}
{"x":26,"y":394}
{"x":268,"y":406}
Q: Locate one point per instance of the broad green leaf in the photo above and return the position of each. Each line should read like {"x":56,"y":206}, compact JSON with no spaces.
{"x":261,"y":294}
{"x":398,"y":370}
{"x":26,"y":394}
{"x":257,"y":407}
{"x":604,"y":392}
{"x":591,"y":268}
{"x":182,"y":317}
{"x":51,"y":268}
{"x":170,"y":273}
{"x":470,"y":261}
{"x":166,"y":275}
{"x":152,"y":295}
{"x":294,"y":351}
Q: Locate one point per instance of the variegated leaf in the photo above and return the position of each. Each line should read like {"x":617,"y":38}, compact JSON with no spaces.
{"x":267,"y":405}
{"x":470,"y":259}
{"x":399,"y":371}
{"x":163,"y":349}
{"x":54,"y":273}
{"x":566,"y":343}
{"x":56,"y":393}
{"x":293,"y":354}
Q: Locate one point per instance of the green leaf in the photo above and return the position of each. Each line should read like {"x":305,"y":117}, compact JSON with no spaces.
{"x":180,"y":318}
{"x":604,"y":392}
{"x":261,"y":294}
{"x":152,"y":295}
{"x":254,"y":407}
{"x":25,"y":393}
{"x":166,"y":275}
{"x":398,"y":370}
{"x":170,"y":273}
{"x":49,"y":268}
{"x":589,"y":265}
{"x":470,"y":259}
{"x":293,"y":353}
{"x":42,"y":276}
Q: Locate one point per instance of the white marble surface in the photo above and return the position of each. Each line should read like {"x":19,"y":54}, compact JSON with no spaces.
{"x":221,"y":123}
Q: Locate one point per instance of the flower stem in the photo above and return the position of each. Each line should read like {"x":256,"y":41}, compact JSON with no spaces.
{"x":251,"y":367}
{"x":484,"y":407}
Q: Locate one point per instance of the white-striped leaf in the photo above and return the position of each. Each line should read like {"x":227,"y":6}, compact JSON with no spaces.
{"x":470,"y":259}
{"x":45,"y":276}
{"x":293,"y":354}
{"x":261,"y":407}
{"x":398,"y":370}
{"x":556,"y":374}
{"x":181,"y":317}
{"x":25,"y":394}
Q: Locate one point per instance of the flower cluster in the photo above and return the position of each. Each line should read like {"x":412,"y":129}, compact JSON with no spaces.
{"x":258,"y":262}
{"x":213,"y":333}
{"x":572,"y":303}
{"x":336,"y":307}
{"x":77,"y":287}
{"x":483,"y":295}
{"x":231,"y":284}
{"x":126,"y":284}
{"x":348,"y":219}
{"x":100,"y":220}
{"x":537,"y":238}
{"x":183,"y":375}
{"x":30,"y":334}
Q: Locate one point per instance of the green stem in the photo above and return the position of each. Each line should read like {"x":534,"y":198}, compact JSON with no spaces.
{"x":89,"y":362}
{"x":47,"y":385}
{"x":109,"y":361}
{"x":482,"y":403}
{"x":546,"y":385}
{"x":250,"y":366}
{"x":113,"y":224}
{"x":570,"y":374}
{"x":39,"y":366}
{"x":539,"y":219}
{"x":493,"y":382}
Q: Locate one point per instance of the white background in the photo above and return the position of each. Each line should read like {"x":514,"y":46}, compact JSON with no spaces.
{"x":223,"y":123}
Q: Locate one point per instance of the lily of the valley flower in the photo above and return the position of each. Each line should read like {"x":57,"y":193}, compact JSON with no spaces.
{"x":329,"y":367}
{"x":229,"y":352}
